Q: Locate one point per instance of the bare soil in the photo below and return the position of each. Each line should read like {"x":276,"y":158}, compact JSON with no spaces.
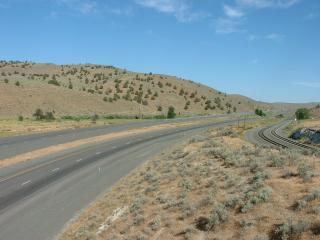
{"x":213,"y":186}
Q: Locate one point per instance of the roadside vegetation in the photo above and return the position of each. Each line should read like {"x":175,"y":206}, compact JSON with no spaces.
{"x":302,"y":113}
{"x":259,"y":112}
{"x":46,"y":122}
{"x":212,"y":186}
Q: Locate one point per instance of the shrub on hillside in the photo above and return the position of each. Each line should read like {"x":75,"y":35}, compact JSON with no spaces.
{"x":302,"y":113}
{"x":259,"y":112}
{"x":54,"y":82}
{"x":171,"y":112}
{"x":38,"y":114}
{"x":49,"y":116}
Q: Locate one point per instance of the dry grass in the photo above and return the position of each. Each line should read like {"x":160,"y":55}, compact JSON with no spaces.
{"x":214,"y":186}
{"x":311,"y":123}
{"x":89,"y":141}
{"x":13,"y":127}
{"x":92,"y":83}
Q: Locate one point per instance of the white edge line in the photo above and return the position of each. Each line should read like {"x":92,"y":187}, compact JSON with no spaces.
{"x":24,"y":183}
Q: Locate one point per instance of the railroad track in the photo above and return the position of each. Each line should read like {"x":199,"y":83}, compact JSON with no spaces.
{"x":277,"y":140}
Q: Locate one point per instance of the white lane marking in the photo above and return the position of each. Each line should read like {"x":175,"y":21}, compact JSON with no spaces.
{"x":79,"y":160}
{"x":24,"y":183}
{"x":56,"y":169}
{"x":151,"y":136}
{"x":114,"y":147}
{"x":160,"y":134}
{"x":98,"y":153}
{"x":140,"y":139}
{"x":128,"y":143}
{"x":99,"y":169}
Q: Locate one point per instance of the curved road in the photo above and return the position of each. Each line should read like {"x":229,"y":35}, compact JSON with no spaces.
{"x":38,"y":197}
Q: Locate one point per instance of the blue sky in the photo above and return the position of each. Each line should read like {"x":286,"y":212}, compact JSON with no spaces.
{"x":265,"y":49}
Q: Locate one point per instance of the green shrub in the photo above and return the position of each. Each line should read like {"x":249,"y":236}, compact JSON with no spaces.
{"x":54,"y":82}
{"x":49,"y":116}
{"x":38,"y":114}
{"x":259,"y":112}
{"x":94,"y":117}
{"x":171,"y":112}
{"x":302,"y":113}
{"x":20,"y":118}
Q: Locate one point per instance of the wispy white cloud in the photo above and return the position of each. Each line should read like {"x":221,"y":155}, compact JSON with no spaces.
{"x":234,"y":14}
{"x":275,"y":36}
{"x":266,"y":3}
{"x":181,"y":9}
{"x":308,"y":84}
{"x":228,"y":25}
{"x":124,"y":11}
{"x":82,"y":6}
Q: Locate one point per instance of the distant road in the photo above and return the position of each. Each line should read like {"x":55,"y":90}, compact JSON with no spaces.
{"x":38,"y":197}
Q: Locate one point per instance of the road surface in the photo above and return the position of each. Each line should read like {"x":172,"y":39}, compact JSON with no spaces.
{"x":39,"y":197}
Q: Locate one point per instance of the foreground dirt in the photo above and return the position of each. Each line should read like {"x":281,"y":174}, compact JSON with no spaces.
{"x":213,"y":186}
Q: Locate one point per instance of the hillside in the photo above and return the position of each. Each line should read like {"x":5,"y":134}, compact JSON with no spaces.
{"x":88,"y":89}
{"x":316,"y":111}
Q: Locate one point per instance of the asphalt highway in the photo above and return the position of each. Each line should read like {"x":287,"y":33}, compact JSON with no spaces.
{"x":39,"y":197}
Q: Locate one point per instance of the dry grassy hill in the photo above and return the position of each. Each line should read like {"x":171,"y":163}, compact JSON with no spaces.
{"x":316,"y":111}
{"x":88,"y":89}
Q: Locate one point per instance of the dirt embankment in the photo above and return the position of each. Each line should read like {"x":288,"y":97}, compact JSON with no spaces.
{"x":214,"y":186}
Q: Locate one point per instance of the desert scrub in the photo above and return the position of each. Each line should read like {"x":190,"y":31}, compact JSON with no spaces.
{"x":224,"y":132}
{"x":276,"y":161}
{"x":136,"y":207}
{"x":219,"y":215}
{"x":290,"y":230}
{"x":314,"y":195}
{"x":302,"y":203}
{"x":155,"y":224}
{"x":252,"y":198}
{"x":262,"y":236}
{"x":316,"y":209}
{"x":305,"y":171}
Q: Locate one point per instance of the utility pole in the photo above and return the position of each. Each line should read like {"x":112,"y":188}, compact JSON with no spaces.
{"x":140,"y":108}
